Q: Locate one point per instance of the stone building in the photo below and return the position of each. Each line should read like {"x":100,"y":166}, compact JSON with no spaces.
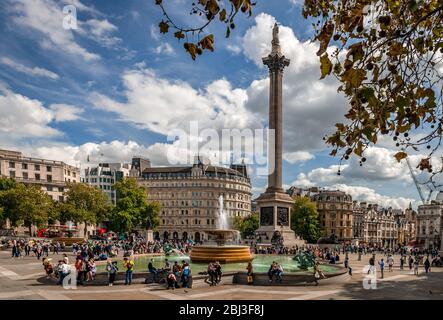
{"x":189,"y":197}
{"x":405,"y":222}
{"x":358,"y":225}
{"x":105,"y":175}
{"x":335,"y":210}
{"x":429,"y":220}
{"x":380,"y":225}
{"x":52,"y":176}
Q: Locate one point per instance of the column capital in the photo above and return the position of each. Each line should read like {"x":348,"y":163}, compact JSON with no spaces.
{"x":276,"y":63}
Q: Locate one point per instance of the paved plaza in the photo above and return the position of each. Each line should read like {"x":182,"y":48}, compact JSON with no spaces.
{"x":22,"y":279}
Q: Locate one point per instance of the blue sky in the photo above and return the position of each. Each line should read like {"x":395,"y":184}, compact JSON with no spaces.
{"x":115,"y":86}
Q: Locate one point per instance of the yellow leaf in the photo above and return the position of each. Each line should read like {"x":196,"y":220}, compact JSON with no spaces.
{"x":192,"y":49}
{"x":400,"y":155}
{"x":179,"y":35}
{"x":222,"y":15}
{"x":325,"y":66}
{"x":164,"y":27}
{"x":207,"y":42}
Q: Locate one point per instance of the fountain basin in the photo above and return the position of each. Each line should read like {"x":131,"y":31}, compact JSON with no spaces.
{"x":223,"y":254}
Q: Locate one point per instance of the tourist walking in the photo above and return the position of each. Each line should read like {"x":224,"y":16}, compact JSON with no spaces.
{"x":427,"y":265}
{"x":112,"y":269}
{"x":390,"y":263}
{"x":416,"y":264}
{"x":129,"y":265}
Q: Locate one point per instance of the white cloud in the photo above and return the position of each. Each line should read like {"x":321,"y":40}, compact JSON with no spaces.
{"x":23,"y":117}
{"x":297,"y":156}
{"x":235,"y":49}
{"x":216,"y":106}
{"x":164,"y":48}
{"x":380,"y":165}
{"x":153,"y":30}
{"x":100,"y":31}
{"x":311,"y":107}
{"x":35,"y":71}
{"x":46,"y":17}
{"x":371,"y":196}
{"x":65,"y":112}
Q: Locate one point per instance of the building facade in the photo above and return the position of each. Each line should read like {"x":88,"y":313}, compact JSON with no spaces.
{"x":429,"y":221}
{"x":335,"y":209}
{"x":52,"y":176}
{"x":105,"y":175}
{"x":189,"y":197}
{"x":358,"y":225}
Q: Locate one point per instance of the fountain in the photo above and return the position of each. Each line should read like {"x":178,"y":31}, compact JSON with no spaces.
{"x":221,"y":243}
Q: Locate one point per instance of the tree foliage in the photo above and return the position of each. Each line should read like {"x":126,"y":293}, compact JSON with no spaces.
{"x":247,"y":225}
{"x":84,"y":204}
{"x":305,"y":220}
{"x":388,"y":58}
{"x":26,"y":205}
{"x":210,"y":10}
{"x":133,"y":208}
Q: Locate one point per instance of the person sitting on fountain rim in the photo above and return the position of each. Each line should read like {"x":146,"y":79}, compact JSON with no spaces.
{"x":152,"y":270}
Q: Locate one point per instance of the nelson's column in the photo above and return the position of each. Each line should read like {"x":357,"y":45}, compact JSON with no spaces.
{"x":275,"y":204}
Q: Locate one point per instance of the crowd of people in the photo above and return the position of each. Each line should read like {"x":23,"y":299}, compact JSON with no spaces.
{"x":178,"y":275}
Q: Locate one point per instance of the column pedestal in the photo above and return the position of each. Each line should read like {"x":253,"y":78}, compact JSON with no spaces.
{"x":275,"y":210}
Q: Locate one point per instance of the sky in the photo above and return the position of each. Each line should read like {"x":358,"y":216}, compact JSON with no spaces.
{"x":115,"y":87}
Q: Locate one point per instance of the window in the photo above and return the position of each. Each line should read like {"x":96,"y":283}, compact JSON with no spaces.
{"x":11,"y":164}
{"x":25,"y":175}
{"x":61,"y":198}
{"x":12,"y":174}
{"x":60,"y":189}
{"x":48,"y":168}
{"x":24,"y":166}
{"x":37,"y":167}
{"x":37,"y":176}
{"x":74,"y":175}
{"x":49,"y":177}
{"x":49,"y":188}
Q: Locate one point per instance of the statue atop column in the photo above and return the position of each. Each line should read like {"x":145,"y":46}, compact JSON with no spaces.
{"x":275,"y":41}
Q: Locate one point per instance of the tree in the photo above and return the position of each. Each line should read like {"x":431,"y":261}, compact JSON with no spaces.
{"x":247,"y":225}
{"x":84,"y":204}
{"x":5,"y":184}
{"x":305,"y":220}
{"x":26,"y":205}
{"x":387,"y":56}
{"x":133,"y":208}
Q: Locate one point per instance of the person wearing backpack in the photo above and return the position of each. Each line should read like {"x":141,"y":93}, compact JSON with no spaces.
{"x":186,"y":274}
{"x":112,"y":269}
{"x":381,"y":263}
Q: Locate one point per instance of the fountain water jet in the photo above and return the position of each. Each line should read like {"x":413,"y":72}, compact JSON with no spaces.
{"x":219,"y":250}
